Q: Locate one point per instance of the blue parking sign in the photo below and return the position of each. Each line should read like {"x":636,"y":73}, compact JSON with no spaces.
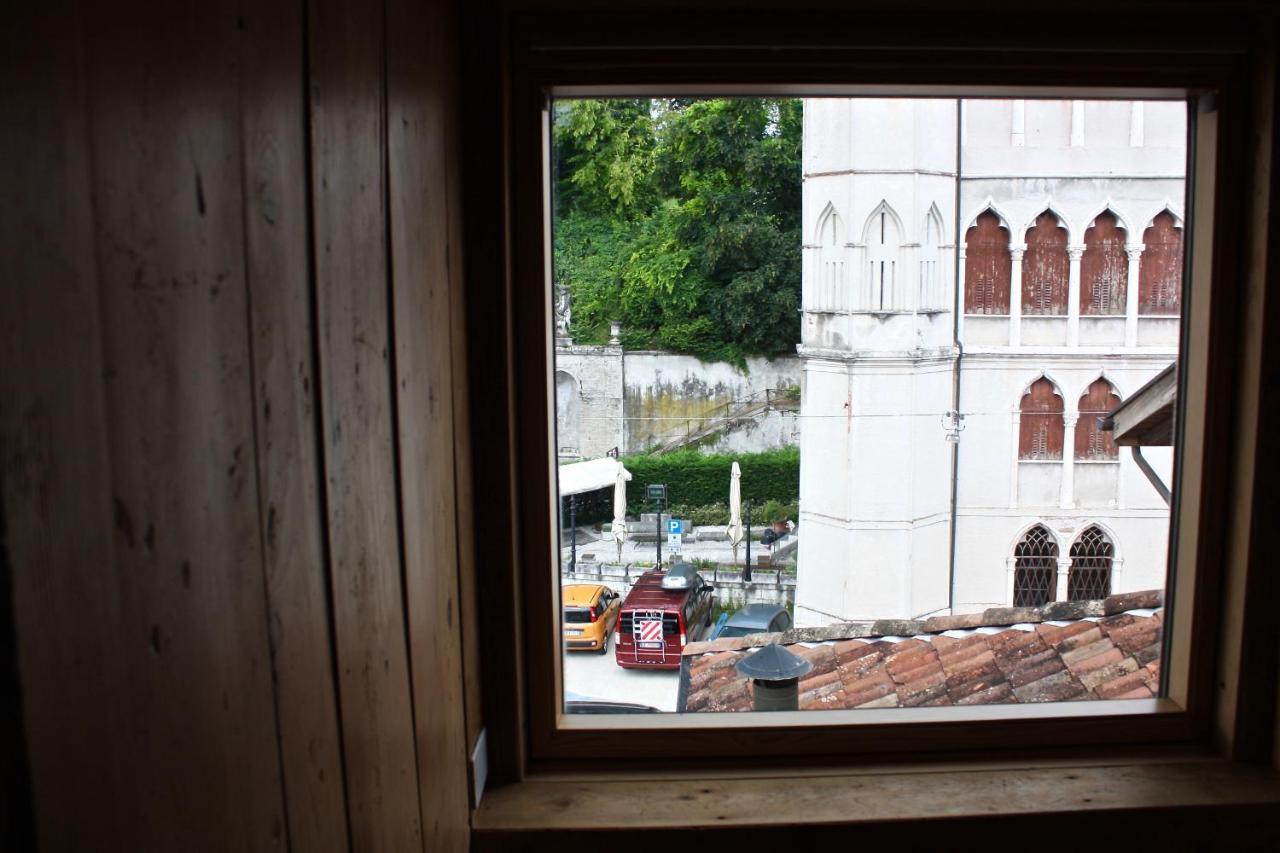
{"x":675,"y":525}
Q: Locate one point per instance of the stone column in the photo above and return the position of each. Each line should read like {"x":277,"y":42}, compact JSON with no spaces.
{"x":1064,"y":566}
{"x":1011,"y":565}
{"x":1136,"y":124}
{"x":1013,"y":456}
{"x":855,"y":298}
{"x":1077,"y":124}
{"x":1117,"y":564}
{"x":1068,"y":497}
{"x":1074,"y":254}
{"x":1016,"y":251}
{"x":1131,"y":296}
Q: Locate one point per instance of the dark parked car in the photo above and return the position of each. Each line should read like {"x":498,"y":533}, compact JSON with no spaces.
{"x":756,"y":619}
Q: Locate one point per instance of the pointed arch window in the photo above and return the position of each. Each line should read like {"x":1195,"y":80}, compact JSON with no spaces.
{"x":1040,"y":427}
{"x":831,"y":260}
{"x":987,"y":266}
{"x":931,"y":268}
{"x":1104,"y":267}
{"x":1035,"y":568}
{"x":1092,"y":556}
{"x":1045,"y":267}
{"x":1160,"y":270}
{"x":884,"y":242}
{"x":1092,"y":443}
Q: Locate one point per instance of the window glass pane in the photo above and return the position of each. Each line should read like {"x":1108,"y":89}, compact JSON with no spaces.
{"x":868,"y":366}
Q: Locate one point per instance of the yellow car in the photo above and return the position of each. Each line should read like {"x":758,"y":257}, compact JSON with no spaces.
{"x":590,"y":611}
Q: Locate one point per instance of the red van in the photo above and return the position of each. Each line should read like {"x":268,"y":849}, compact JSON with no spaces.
{"x":664,"y":611}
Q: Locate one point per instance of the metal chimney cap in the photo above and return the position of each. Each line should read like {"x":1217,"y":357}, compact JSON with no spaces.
{"x":773,"y":663}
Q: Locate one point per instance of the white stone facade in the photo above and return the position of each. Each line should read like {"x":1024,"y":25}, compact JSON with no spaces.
{"x":885,"y":354}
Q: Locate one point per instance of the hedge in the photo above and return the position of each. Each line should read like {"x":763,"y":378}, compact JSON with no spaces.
{"x":695,"y":479}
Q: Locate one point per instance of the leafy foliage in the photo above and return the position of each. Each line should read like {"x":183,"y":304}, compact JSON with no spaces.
{"x":693,"y":479}
{"x":681,"y":218}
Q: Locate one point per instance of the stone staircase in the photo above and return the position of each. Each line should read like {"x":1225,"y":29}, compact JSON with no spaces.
{"x":732,"y":415}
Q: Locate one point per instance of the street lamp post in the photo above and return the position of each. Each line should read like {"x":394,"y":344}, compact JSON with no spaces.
{"x":573,"y":534}
{"x":657,"y":492}
{"x":746,"y":567}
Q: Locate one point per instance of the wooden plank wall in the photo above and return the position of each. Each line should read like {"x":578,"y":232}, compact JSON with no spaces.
{"x":230,"y":332}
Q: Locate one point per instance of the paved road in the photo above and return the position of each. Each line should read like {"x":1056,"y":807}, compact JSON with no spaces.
{"x":599,"y":677}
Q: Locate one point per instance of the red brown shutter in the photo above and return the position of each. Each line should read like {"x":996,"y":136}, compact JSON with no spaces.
{"x":987,"y":266}
{"x":1045,"y":268}
{"x":1091,"y":442}
{"x":1160,"y":272}
{"x":1040,"y":426}
{"x":1104,"y":268}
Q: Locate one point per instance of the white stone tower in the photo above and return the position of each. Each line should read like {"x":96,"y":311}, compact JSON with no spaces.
{"x":878,"y":347}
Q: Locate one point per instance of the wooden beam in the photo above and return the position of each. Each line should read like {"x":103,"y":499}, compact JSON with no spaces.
{"x":920,"y":800}
{"x":1147,"y":417}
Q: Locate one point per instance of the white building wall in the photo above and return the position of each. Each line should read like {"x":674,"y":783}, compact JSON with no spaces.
{"x":877,"y":337}
{"x":875,"y":470}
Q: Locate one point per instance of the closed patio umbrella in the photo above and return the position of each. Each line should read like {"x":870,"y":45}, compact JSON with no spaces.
{"x":735,"y":510}
{"x":619,"y":526}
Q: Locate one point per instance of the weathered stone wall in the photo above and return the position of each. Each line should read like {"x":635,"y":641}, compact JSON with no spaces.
{"x":589,"y":424}
{"x":607,"y":398}
{"x":668,"y":395}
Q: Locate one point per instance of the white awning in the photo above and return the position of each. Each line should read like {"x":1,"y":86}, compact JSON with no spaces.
{"x":579,"y":477}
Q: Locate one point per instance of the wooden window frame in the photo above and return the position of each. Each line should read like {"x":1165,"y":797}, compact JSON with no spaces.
{"x":617,"y":53}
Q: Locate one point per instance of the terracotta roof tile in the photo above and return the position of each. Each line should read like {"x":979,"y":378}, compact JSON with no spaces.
{"x":1054,"y":634}
{"x":1059,"y":687}
{"x":1094,"y":657}
{"x":869,"y":689}
{"x":1030,"y":672}
{"x":1102,"y":675}
{"x":1107,"y":658}
{"x":994,"y":695}
{"x":1123,"y":684}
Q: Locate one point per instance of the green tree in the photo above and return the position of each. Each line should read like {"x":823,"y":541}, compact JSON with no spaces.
{"x":681,"y":218}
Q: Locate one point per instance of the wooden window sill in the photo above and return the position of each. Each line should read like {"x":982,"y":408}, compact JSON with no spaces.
{"x":1186,"y":800}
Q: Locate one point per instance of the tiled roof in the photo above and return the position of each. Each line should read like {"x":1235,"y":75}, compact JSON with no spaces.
{"x":1107,"y":649}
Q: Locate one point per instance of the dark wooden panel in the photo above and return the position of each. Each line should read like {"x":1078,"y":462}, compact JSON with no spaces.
{"x":1040,"y":428}
{"x":987,"y":267}
{"x":350,"y":244}
{"x":54,"y":474}
{"x":1091,"y":442}
{"x":291,"y":510}
{"x":1104,"y":268}
{"x":464,"y":502}
{"x":1045,"y":267}
{"x":418,"y":125}
{"x":1160,"y":270}
{"x":201,"y":755}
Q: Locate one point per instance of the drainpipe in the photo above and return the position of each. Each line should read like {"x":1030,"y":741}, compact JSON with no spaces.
{"x":775,"y":678}
{"x":955,"y":371}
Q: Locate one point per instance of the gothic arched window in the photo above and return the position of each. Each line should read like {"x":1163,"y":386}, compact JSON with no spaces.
{"x":1091,"y":558}
{"x":1045,"y":267}
{"x":830,"y":290}
{"x":1160,"y":271}
{"x":987,"y":266}
{"x":931,"y":295}
{"x":1104,"y":267}
{"x":1091,"y":442}
{"x":884,"y":242}
{"x":1040,"y":424}
{"x":1035,"y":568}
